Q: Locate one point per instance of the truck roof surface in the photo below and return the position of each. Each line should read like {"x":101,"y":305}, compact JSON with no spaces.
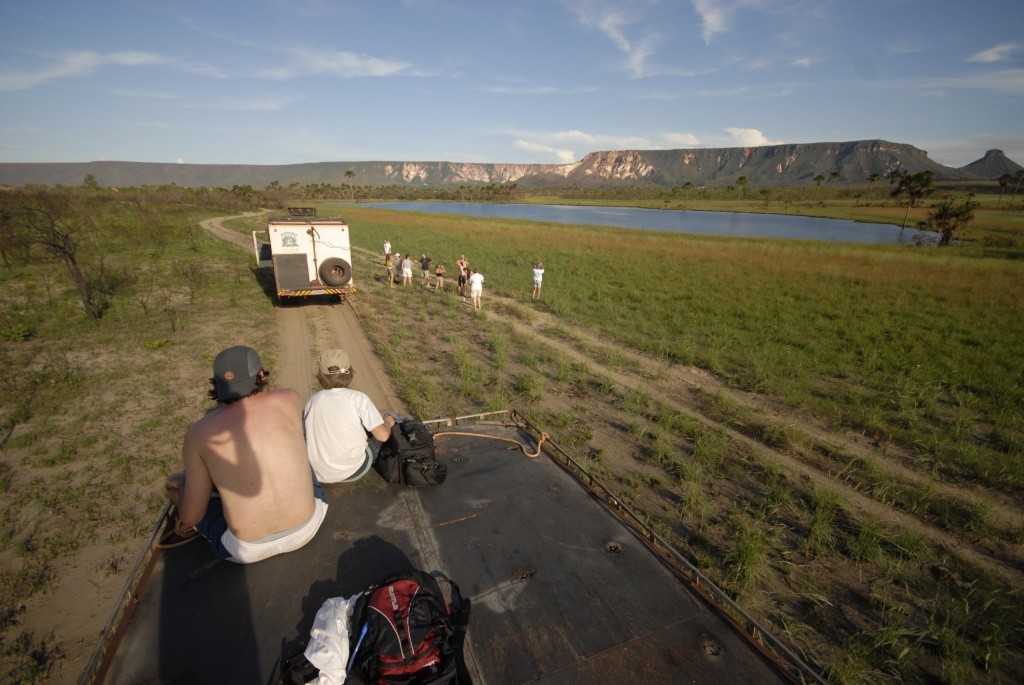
{"x":561,"y":589}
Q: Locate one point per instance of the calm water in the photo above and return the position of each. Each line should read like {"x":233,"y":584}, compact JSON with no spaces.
{"x":714,"y":223}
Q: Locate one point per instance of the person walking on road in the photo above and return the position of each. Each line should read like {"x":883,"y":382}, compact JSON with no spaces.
{"x":463,"y":265}
{"x":439,"y":276}
{"x":389,"y":262}
{"x":406,"y":270}
{"x":425,"y":269}
{"x":476,"y":287}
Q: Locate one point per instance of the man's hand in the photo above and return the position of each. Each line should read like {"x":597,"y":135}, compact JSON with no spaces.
{"x":173,"y":486}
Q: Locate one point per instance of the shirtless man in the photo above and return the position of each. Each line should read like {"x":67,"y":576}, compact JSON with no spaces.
{"x":247,"y":486}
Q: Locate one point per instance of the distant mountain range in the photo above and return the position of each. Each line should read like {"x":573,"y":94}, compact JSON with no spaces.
{"x":771,"y":165}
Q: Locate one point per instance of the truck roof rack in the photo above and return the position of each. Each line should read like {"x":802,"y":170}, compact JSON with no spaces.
{"x":302,"y":211}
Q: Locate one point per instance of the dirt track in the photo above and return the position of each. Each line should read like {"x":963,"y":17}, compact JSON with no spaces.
{"x":336,"y":325}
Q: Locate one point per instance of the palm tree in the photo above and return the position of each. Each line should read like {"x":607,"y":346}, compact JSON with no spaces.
{"x":916,"y":186}
{"x":818,"y":180}
{"x":741,"y":181}
{"x":949,"y":216}
{"x":1019,"y":176}
{"x":834,"y":176}
{"x":688,"y":186}
{"x":873,"y":179}
{"x":349,"y":175}
{"x":1003,"y":181}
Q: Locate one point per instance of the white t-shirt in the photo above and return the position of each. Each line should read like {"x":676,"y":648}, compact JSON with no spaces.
{"x":476,"y":282}
{"x":538,"y":275}
{"x":336,"y":422}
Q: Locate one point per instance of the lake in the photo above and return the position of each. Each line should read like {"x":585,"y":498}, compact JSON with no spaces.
{"x":681,"y":221}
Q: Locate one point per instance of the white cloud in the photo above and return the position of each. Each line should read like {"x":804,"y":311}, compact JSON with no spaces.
{"x":179,"y":161}
{"x":680,"y":139}
{"x":714,"y":17}
{"x":270,"y":103}
{"x":563,"y":155}
{"x":999,"y":53}
{"x":750,"y":137}
{"x":537,"y":90}
{"x":348,"y":64}
{"x":804,"y":62}
{"x":69,"y":65}
{"x":1005,"y":82}
{"x":612,"y":19}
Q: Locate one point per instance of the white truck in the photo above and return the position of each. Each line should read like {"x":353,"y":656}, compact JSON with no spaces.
{"x":309,"y":255}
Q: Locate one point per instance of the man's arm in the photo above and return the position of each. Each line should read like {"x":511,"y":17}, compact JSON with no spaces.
{"x":383,"y":431}
{"x":195,"y":492}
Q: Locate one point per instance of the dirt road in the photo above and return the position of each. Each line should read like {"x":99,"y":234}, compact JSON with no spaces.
{"x":306,"y":328}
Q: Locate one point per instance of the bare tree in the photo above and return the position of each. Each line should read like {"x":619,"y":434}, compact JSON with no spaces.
{"x":52,"y":221}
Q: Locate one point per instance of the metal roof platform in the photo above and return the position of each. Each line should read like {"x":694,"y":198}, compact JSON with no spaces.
{"x":566,"y":585}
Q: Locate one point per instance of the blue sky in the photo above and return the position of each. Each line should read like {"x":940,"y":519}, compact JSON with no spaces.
{"x":530,"y":81}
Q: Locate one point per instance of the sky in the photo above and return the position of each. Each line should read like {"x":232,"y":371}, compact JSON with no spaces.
{"x":528,"y":81}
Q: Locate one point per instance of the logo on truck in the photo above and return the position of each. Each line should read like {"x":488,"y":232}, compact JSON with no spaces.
{"x":289,"y":240}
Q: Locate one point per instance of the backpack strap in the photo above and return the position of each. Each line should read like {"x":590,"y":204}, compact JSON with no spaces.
{"x":458,"y":637}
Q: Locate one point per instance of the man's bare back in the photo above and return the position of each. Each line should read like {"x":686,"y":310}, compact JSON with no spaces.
{"x":253,"y":452}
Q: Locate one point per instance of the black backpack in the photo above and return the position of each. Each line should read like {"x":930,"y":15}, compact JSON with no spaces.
{"x":408,"y":456}
{"x":409,"y":628}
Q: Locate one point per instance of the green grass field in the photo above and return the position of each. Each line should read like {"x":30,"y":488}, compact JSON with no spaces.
{"x":917,"y":349}
{"x":918,"y":346}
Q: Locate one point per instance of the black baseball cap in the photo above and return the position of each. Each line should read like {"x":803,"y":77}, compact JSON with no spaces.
{"x":235,"y":372}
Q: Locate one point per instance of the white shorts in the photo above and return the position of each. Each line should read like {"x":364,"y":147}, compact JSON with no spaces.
{"x":243,"y":552}
{"x":476,"y":292}
{"x":406,"y":273}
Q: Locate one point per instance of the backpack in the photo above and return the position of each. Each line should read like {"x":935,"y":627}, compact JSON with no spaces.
{"x":409,"y":628}
{"x":408,"y":456}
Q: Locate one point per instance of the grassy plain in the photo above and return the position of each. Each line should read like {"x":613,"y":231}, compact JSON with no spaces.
{"x":920,"y":348}
{"x":92,"y":412}
{"x":915,"y":351}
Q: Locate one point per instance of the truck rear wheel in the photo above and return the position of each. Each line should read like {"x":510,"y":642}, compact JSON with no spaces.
{"x":335,"y":271}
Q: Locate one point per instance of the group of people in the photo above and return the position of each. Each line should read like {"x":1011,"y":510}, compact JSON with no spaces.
{"x":396,"y":264}
{"x":401,"y":267}
{"x":253,"y":466}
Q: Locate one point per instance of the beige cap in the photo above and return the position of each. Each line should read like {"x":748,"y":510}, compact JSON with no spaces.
{"x":334,"y":360}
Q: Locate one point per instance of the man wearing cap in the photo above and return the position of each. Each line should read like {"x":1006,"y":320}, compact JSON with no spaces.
{"x":344,"y":430}
{"x":247,"y":486}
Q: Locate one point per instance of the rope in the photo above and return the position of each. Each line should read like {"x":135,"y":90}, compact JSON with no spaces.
{"x":543,"y":437}
{"x":186,"y":534}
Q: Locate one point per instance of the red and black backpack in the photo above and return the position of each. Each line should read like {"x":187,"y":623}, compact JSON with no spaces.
{"x":409,"y":628}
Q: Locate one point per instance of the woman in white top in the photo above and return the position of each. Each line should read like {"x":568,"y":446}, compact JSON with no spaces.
{"x":538,"y":276}
{"x":476,"y":287}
